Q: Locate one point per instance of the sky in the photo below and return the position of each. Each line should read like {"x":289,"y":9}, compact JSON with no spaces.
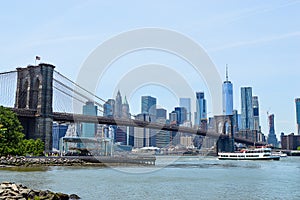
{"x":259,"y":40}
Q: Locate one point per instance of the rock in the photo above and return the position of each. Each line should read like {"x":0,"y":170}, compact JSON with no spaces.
{"x":63,"y":196}
{"x":25,"y":192}
{"x":74,"y":197}
{"x":17,"y":191}
{"x":14,"y":187}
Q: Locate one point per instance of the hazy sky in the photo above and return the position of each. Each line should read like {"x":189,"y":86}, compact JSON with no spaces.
{"x":259,"y":40}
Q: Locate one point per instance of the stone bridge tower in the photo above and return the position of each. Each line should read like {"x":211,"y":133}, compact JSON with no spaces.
{"x":224,"y":127}
{"x":35,"y":92}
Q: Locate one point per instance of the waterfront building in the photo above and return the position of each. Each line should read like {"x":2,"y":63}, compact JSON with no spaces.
{"x":272,"y":139}
{"x":138,"y":137}
{"x":109,"y":108}
{"x":247,"y":110}
{"x":148,"y":106}
{"x":290,"y":142}
{"x":58,"y":131}
{"x":89,"y":129}
{"x":186,"y":103}
{"x":227,"y":94}
{"x":187,"y":141}
{"x":130,"y":135}
{"x":121,"y":135}
{"x":255,"y":106}
{"x":144,"y":137}
{"x":74,"y":130}
{"x":162,"y":137}
{"x":297,"y":101}
{"x":201,"y":112}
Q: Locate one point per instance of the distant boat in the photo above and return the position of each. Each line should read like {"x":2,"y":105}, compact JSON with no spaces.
{"x":249,"y":154}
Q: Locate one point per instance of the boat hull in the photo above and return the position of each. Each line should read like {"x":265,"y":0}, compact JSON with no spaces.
{"x":241,"y":158}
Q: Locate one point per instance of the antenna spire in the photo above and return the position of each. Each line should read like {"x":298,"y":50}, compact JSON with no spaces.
{"x":226,"y":72}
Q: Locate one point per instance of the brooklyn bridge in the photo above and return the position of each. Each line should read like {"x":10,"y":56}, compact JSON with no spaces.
{"x":40,"y":95}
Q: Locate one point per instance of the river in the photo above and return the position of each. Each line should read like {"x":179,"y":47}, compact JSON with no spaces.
{"x":171,"y":178}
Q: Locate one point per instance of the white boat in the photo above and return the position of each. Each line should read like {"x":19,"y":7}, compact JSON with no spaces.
{"x":249,"y":154}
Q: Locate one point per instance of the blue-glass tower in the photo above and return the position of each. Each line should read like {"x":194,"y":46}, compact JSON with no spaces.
{"x":180,"y":114}
{"x":201,"y":113}
{"x":186,"y":103}
{"x":109,"y":108}
{"x":227,"y":96}
{"x":149,"y":106}
{"x":89,"y":129}
{"x":255,"y":105}
{"x":247,"y":109}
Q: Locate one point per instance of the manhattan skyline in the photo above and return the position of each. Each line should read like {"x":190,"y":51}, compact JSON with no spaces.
{"x":260,"y":42}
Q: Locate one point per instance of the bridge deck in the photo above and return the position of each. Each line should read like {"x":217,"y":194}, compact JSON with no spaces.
{"x":69,"y":117}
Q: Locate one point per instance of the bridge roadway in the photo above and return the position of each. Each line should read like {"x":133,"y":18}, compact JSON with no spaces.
{"x":70,"y":117}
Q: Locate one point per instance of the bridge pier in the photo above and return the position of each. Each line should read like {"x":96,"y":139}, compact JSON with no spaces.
{"x":35,"y":92}
{"x":224,"y":127}
{"x":225,"y":145}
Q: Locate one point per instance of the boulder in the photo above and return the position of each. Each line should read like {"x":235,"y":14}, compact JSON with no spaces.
{"x":10,"y":190}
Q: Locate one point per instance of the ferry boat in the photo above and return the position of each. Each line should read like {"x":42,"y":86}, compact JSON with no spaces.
{"x":249,"y":154}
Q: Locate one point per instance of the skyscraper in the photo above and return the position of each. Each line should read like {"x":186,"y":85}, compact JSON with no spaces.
{"x":255,"y":106}
{"x":118,"y":105}
{"x":109,"y":108}
{"x":125,"y":109}
{"x":148,"y":106}
{"x":297,"y":101}
{"x":162,"y":137}
{"x":180,"y":114}
{"x":186,"y":103}
{"x":235,"y":121}
{"x":247,"y":110}
{"x":272,"y":137}
{"x":201,"y":113}
{"x":89,"y":129}
{"x":227,"y":96}
{"x":161,"y":113}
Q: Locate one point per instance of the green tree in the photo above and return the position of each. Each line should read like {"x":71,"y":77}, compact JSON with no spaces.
{"x":298,"y":148}
{"x":32,"y":147}
{"x":11,"y":132}
{"x":12,"y":140}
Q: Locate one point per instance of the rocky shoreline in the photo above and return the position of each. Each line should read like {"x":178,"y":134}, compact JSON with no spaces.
{"x":21,"y":161}
{"x":39,"y":161}
{"x":9,"y":190}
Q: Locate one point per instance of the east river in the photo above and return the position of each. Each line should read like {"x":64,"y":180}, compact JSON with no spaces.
{"x":171,"y":178}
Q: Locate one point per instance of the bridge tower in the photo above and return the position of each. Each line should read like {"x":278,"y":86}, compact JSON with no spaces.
{"x":224,"y":127}
{"x":35,"y":92}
